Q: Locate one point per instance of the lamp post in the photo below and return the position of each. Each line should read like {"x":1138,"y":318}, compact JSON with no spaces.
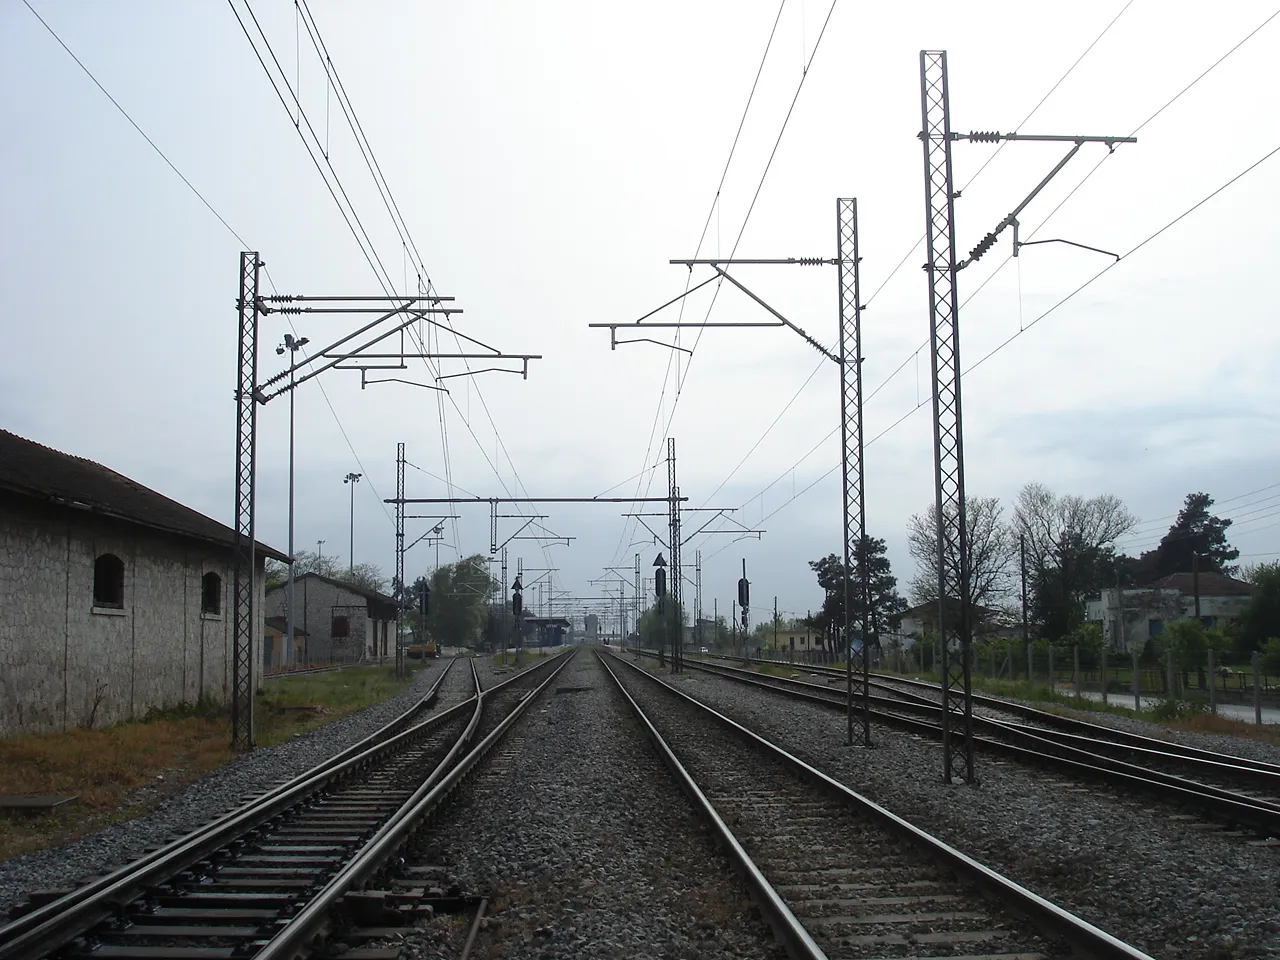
{"x":293,"y":345}
{"x":353,"y":479}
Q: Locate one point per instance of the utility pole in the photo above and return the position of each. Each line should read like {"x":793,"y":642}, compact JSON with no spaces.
{"x":775,"y":623}
{"x":697,"y":598}
{"x":319,"y":554}
{"x":941,"y":269}
{"x":1195,"y":580}
{"x":1022,"y":566}
{"x":677,"y":569}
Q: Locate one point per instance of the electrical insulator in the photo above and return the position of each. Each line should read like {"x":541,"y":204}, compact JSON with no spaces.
{"x":744,"y":593}
{"x":985,"y":136}
{"x":660,"y":582}
{"x":985,"y":244}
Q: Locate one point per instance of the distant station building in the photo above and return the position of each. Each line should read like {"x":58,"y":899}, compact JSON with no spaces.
{"x":342,"y":623}
{"x":591,"y":628}
{"x":116,"y":598}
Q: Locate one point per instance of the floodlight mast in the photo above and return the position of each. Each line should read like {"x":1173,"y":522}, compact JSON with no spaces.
{"x":251,"y":305}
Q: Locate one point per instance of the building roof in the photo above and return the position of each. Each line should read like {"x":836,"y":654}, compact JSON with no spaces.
{"x":282,"y":624}
{"x":373,"y":596}
{"x":929,"y":610}
{"x":1211,"y":585}
{"x":33,"y":470}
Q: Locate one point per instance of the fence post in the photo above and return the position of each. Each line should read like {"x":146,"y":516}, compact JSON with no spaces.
{"x":1104,"y":671}
{"x":1137,"y":682}
{"x":1257,"y":689}
{"x":1213,"y":687}
{"x":1029,"y":664}
{"x":1053,"y":682}
{"x":1075,"y":674}
{"x":1171,"y":679}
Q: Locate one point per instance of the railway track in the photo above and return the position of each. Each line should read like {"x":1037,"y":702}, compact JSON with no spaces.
{"x":1247,"y":794}
{"x":267,"y":879}
{"x":835,"y":874}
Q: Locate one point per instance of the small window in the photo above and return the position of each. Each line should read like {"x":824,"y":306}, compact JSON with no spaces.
{"x":340,"y":627}
{"x":108,"y":581}
{"x":211,"y":594}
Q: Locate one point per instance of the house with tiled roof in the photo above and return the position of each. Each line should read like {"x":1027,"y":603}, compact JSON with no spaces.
{"x":115,"y":597}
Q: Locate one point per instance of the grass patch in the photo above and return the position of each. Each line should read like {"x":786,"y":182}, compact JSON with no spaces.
{"x":121,"y":772}
{"x":281,"y":712}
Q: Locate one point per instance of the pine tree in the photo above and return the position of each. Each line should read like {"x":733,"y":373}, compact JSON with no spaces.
{"x":1195,"y":532}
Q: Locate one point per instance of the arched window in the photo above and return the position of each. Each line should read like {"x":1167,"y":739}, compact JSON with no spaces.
{"x":211,"y":594}
{"x":341,"y":627}
{"x":108,"y":581}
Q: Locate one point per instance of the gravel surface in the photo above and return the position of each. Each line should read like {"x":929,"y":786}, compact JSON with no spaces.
{"x":843,"y":875}
{"x":583,"y":843}
{"x":1123,"y":864}
{"x":213,"y":794}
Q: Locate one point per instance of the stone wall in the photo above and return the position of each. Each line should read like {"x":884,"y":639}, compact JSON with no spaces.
{"x":65,"y":662}
{"x":317,"y":604}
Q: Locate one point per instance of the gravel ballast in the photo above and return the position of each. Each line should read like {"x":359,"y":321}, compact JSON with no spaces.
{"x":1122,"y":863}
{"x":214,"y":793}
{"x":584,"y":845}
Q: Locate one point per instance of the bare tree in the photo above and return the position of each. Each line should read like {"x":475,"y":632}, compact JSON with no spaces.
{"x":1069,"y":553}
{"x":992,"y":548}
{"x":1055,"y":526}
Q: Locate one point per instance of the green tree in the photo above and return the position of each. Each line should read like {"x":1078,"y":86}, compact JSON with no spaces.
{"x":460,"y":594}
{"x":1270,"y":659}
{"x":1195,"y":532}
{"x":1260,"y":619}
{"x":885,"y":607}
{"x":1187,"y":641}
{"x":661,"y":624}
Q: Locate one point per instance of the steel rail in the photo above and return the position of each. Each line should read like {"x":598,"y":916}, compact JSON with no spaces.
{"x":308,"y":928}
{"x":1045,"y":915}
{"x":788,"y":930}
{"x":180,"y":854}
{"x":1258,"y":813}
{"x":1097,"y":730}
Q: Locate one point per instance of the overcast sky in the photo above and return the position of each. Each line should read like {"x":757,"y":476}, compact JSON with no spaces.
{"x":549,"y":159}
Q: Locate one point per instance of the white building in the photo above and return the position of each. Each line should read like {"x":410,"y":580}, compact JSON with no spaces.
{"x":115,"y":597}
{"x":342,"y":623}
{"x":1132,"y":616}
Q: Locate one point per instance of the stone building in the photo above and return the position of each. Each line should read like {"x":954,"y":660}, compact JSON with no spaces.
{"x":342,"y":623}
{"x":115,"y":597}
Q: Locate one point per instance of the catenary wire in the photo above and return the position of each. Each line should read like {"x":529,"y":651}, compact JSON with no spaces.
{"x":1046,"y":313}
{"x":209,"y":206}
{"x":715,"y":206}
{"x":746,"y":219}
{"x":916,"y":246}
{"x":405,"y":236}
